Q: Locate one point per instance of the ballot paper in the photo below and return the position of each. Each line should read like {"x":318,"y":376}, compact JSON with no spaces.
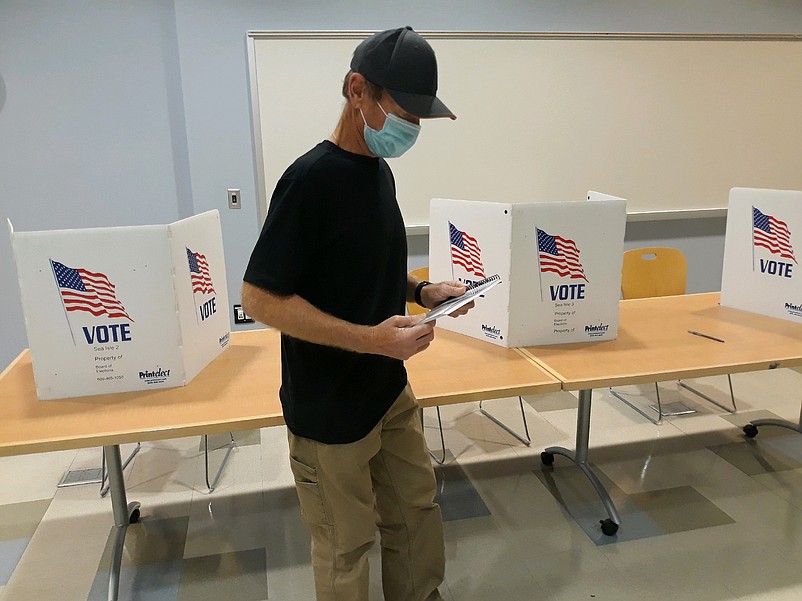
{"x":473,"y":292}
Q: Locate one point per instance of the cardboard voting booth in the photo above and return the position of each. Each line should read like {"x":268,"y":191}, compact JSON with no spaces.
{"x":123,"y":308}
{"x":559,"y":264}
{"x":761,"y":252}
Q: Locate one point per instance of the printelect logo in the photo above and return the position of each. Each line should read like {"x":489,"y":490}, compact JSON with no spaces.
{"x":597,"y":330}
{"x":794,"y":309}
{"x":155,"y":377}
{"x":491,"y":331}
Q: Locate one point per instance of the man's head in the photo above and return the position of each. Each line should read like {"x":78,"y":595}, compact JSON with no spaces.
{"x":403,"y":63}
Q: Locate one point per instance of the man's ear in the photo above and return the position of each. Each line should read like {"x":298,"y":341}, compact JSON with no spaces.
{"x":357,"y":90}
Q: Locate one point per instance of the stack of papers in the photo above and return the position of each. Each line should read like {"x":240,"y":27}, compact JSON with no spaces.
{"x":474,"y":291}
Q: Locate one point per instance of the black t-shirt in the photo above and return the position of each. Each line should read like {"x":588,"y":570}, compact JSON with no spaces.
{"x":334,"y":236}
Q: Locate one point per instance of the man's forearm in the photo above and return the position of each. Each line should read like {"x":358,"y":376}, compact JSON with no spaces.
{"x":298,"y":318}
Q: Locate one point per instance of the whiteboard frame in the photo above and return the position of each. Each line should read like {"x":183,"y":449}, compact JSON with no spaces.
{"x":254,"y":35}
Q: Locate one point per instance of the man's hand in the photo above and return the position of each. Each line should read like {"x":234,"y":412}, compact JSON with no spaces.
{"x":434,"y":294}
{"x":401,"y":336}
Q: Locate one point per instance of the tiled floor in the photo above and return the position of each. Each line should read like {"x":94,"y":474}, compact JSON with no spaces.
{"x":707,"y":514}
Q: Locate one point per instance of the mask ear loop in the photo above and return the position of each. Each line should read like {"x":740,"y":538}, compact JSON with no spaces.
{"x":363,"y":114}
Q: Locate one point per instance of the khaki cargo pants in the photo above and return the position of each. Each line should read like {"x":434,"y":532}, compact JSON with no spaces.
{"x":343,"y":487}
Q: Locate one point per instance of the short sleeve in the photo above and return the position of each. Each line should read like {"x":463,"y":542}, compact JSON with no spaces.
{"x":287,"y":244}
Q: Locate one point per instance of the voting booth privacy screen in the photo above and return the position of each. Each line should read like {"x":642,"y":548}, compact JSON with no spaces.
{"x":559,"y":264}
{"x":124,"y":308}
{"x":762,"y":248}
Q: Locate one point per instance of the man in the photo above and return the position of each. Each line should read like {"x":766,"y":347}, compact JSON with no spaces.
{"x":329,"y":271}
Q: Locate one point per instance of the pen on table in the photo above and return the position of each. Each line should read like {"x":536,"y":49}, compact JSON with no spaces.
{"x":695,"y":333}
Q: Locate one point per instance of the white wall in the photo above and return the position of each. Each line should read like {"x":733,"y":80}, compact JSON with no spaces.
{"x":115,"y":112}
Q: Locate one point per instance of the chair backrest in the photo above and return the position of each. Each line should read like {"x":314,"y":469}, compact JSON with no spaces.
{"x":413,"y":308}
{"x":655,"y":271}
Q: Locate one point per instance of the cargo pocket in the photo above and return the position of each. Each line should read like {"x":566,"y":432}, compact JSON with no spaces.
{"x":309,"y":493}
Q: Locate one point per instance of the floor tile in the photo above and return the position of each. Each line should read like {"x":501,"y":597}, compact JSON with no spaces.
{"x":50,"y":561}
{"x":457,"y":497}
{"x":557,"y":580}
{"x":765,"y":455}
{"x":34,"y":476}
{"x":479,"y":564}
{"x":291,"y":584}
{"x":11,"y":550}
{"x":787,"y":484}
{"x":221,"y":523}
{"x":148,"y":582}
{"x":236,"y":575}
{"x":20,"y":520}
{"x":774,"y":593}
{"x":656,"y":469}
{"x":679,"y":509}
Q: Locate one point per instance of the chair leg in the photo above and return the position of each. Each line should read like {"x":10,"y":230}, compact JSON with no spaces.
{"x":440,"y":460}
{"x":686,"y":411}
{"x":526,"y":441}
{"x":659,"y":405}
{"x":632,"y":405}
{"x":710,"y":399}
{"x":104,"y":485}
{"x":230,"y":447}
{"x":658,"y":408}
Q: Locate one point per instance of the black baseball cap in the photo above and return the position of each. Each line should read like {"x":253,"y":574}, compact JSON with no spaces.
{"x":403,"y":63}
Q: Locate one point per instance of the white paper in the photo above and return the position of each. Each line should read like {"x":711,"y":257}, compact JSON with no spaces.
{"x":449,"y":306}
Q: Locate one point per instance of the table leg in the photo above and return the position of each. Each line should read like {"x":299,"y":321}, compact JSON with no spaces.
{"x":230,"y":447}
{"x":124,"y":514}
{"x":440,"y":460}
{"x":580,"y":458}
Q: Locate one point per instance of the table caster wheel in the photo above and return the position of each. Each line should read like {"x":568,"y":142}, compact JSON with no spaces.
{"x":750,"y":430}
{"x":608,"y":527}
{"x":134,"y":517}
{"x":547,"y":458}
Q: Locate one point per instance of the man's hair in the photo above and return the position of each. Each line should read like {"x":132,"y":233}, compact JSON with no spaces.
{"x":375,"y":90}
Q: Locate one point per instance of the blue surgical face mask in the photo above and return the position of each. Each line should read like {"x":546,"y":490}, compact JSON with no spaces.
{"x":395,"y":138}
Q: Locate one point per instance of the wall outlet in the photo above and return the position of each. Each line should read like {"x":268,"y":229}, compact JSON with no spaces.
{"x":234,"y":200}
{"x":240,"y":316}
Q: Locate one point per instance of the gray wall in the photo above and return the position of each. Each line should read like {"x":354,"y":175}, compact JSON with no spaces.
{"x":115,"y":112}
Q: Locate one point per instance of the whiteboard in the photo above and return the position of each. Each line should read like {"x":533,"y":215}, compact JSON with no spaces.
{"x":670,"y":123}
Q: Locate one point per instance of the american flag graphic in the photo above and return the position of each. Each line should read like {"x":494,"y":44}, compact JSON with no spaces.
{"x":559,"y":255}
{"x":770,"y":233}
{"x":199,"y":273}
{"x":83,"y":290}
{"x":465,"y":251}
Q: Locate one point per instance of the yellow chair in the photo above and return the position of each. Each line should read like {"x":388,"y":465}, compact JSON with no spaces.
{"x":659,"y":271}
{"x":413,"y":308}
{"x":655,"y":271}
